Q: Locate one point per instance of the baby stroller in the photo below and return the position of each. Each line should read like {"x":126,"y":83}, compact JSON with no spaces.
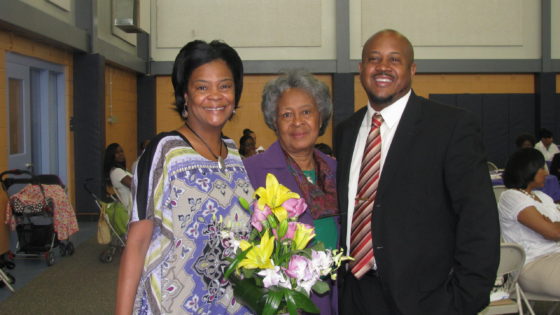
{"x":114,"y":216}
{"x":33,"y":218}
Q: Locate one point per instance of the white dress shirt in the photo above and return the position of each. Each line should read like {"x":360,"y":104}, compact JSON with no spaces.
{"x":547,"y":153}
{"x":391,"y":117}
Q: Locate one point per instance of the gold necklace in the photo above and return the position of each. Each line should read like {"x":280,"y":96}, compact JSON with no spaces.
{"x":530,"y":194}
{"x":221,"y":163}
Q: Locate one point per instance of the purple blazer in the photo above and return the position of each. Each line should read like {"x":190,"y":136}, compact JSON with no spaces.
{"x":273,"y":161}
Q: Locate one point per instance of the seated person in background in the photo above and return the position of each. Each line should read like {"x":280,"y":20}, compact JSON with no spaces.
{"x":525,"y":141}
{"x":249,"y":132}
{"x":531,"y":219}
{"x":247,"y":146}
{"x":547,"y":147}
{"x":116,"y":175}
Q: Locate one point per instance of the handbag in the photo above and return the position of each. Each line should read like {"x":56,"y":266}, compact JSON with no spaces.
{"x":103,"y":232}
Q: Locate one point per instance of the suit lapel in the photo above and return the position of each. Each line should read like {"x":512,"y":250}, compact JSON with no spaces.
{"x":401,"y":144}
{"x":349,"y":140}
{"x":345,"y":152}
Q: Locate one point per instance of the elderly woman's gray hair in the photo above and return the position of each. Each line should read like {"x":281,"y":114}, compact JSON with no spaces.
{"x":300,"y":79}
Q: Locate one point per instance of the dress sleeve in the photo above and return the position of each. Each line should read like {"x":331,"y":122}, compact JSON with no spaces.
{"x":511,"y":203}
{"x":146,"y":176}
{"x":117,"y":174}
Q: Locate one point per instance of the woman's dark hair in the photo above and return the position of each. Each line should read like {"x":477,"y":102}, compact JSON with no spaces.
{"x":521,"y":168}
{"x":525,"y":137}
{"x":197,"y":53}
{"x":109,"y":162}
{"x":247,"y":132}
{"x":242,"y":141}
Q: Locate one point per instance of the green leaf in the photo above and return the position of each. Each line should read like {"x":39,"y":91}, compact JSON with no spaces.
{"x":290,"y":302}
{"x":236,"y":262}
{"x":271,"y":221}
{"x":320,"y":287}
{"x":244,"y":203}
{"x":304,"y":302}
{"x":249,"y":294}
{"x":283,"y":229}
{"x":273,"y":300}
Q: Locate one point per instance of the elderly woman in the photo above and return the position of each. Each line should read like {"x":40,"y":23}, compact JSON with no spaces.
{"x":531,"y":219}
{"x":174,"y":257}
{"x":298,"y":107}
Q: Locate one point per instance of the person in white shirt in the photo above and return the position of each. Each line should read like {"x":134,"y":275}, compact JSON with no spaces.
{"x":531,"y":219}
{"x":116,"y":175}
{"x":547,"y":146}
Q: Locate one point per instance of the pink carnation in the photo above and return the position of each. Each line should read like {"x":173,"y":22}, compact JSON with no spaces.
{"x":299,"y":268}
{"x":259,"y":216}
{"x":292,"y":226}
{"x":295,"y":207}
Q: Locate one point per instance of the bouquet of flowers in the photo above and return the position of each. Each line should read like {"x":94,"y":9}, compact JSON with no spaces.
{"x":275,"y":270}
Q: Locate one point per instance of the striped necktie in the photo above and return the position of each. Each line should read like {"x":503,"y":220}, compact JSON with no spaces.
{"x":361,"y":244}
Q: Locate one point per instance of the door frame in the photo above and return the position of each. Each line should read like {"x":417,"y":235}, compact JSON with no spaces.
{"x":42,"y":72}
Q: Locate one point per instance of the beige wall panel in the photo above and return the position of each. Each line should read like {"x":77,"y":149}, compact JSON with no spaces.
{"x":111,"y":34}
{"x":256,"y":23}
{"x":63,"y":12}
{"x":426,"y":84}
{"x":120,"y":100}
{"x":555,"y":29}
{"x":453,"y":29}
{"x":248,"y":114}
{"x":14,"y":43}
{"x":268,"y":30}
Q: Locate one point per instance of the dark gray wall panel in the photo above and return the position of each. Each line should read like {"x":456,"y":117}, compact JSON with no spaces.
{"x":502,"y":117}
{"x":521,"y":117}
{"x":472,"y":103}
{"x":88,"y":126}
{"x":146,"y":124}
{"x":343,"y":97}
{"x":495,"y":128}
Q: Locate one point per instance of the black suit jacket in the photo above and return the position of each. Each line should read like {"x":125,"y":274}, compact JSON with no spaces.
{"x":435,"y":222}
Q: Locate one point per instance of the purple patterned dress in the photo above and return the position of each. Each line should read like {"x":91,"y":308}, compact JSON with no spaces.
{"x":186,"y":196}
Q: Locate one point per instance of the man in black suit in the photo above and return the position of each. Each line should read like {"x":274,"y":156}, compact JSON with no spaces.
{"x":434,"y":223}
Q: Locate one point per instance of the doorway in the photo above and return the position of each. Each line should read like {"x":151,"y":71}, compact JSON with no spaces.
{"x":37,"y":126}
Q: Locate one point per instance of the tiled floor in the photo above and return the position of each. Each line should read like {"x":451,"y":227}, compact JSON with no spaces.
{"x":28,"y":268}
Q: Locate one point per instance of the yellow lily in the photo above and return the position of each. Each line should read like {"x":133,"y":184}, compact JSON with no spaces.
{"x":304,"y":233}
{"x":274,"y":196}
{"x":259,"y":255}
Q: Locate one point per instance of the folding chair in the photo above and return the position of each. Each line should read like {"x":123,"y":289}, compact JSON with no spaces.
{"x":531,"y":297}
{"x":512,"y":259}
{"x":498,"y":190}
{"x":492,"y":166}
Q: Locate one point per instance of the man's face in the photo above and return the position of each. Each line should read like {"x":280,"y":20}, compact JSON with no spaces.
{"x":386,"y":69}
{"x":547,"y":141}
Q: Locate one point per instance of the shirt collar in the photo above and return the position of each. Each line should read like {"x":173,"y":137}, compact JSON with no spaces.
{"x":391,"y":114}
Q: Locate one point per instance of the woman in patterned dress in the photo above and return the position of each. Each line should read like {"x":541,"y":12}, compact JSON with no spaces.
{"x":185,"y":191}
